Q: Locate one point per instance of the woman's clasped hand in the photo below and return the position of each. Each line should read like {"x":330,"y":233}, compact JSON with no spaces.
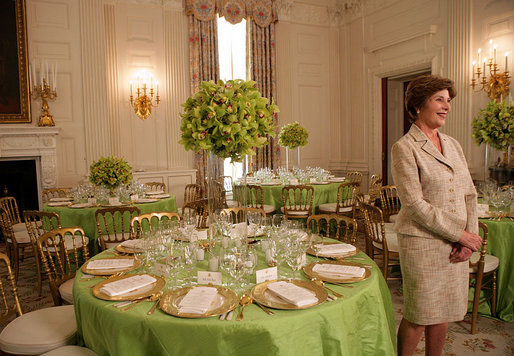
{"x":462,"y":250}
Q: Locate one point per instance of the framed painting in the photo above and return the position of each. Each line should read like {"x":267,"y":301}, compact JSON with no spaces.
{"x":14,"y":89}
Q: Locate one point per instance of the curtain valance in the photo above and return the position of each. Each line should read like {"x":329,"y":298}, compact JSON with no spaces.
{"x":262,"y":12}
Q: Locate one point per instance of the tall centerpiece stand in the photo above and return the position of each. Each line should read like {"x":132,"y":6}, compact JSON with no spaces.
{"x":292,"y":136}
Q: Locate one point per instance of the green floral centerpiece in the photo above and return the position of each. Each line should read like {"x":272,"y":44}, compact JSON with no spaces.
{"x":230,"y":119}
{"x":494,"y":125}
{"x":293,"y":135}
{"x":110,"y":172}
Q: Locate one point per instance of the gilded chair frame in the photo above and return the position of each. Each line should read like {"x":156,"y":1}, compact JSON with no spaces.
{"x":347,"y":197}
{"x":11,"y":207}
{"x":376,"y":236}
{"x":390,"y":201}
{"x":346,"y":227}
{"x":55,"y":193}
{"x":146,"y":219}
{"x":192,"y":192}
{"x":375,"y":184}
{"x":111,"y":231}
{"x":38,"y":223}
{"x":61,"y":263}
{"x":199,"y":208}
{"x":156,"y":186}
{"x":255,"y":196}
{"x":355,"y":177}
{"x":6,"y":311}
{"x":297,"y":201}
{"x":239,"y":214}
{"x":477,"y":280}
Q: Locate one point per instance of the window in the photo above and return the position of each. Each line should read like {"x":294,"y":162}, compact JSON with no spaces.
{"x":232,"y":61}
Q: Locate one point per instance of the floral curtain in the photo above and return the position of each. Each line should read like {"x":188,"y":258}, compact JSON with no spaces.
{"x":261,"y":16}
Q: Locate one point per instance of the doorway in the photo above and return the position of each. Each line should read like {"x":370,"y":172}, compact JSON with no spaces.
{"x":395,"y":119}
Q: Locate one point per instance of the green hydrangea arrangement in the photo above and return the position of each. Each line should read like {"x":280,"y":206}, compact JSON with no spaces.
{"x":230,"y":119}
{"x":494,"y":125}
{"x":293,"y":135}
{"x":110,"y":172}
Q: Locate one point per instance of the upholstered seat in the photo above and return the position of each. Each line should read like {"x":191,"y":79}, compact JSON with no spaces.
{"x":40,"y":331}
{"x":392,"y":241}
{"x":491,"y":262}
{"x":268,"y":209}
{"x":22,"y":237}
{"x":392,"y":218}
{"x":66,"y":291}
{"x":68,"y":243}
{"x":331,"y":208}
{"x":70,"y":350}
{"x":19,"y":227}
{"x":292,"y":212}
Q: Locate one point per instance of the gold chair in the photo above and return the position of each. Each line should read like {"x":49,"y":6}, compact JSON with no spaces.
{"x":156,"y":186}
{"x":482,"y":265}
{"x":355,"y":177}
{"x":36,"y":332}
{"x":55,"y":193}
{"x":38,"y":223}
{"x":339,"y":227}
{"x":297,"y":201}
{"x":390,"y":202}
{"x":15,"y":243}
{"x":382,"y":241}
{"x":237,"y":215}
{"x":145,"y":220}
{"x":375,"y":184}
{"x":114,"y":225}
{"x":63,"y":251}
{"x":200,"y":209}
{"x":256,"y":199}
{"x":192,"y":192}
{"x":346,"y":200}
{"x":11,"y":207}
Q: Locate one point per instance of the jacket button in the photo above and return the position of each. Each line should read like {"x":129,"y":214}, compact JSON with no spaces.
{"x":451,"y":179}
{"x":451,"y":190}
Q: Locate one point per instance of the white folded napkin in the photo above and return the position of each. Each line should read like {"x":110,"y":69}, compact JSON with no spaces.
{"x":198,"y":300}
{"x":110,"y":263}
{"x":291,"y":293}
{"x":338,"y":271}
{"x":482,"y":209}
{"x":197,"y":235}
{"x":334,"y":249}
{"x":136,"y":244}
{"x":161,"y":196}
{"x":155,"y":192}
{"x":126,"y":285}
{"x":337,"y":179}
{"x":239,"y":230}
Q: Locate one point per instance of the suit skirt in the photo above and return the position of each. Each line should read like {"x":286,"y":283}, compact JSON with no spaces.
{"x":435,"y":291}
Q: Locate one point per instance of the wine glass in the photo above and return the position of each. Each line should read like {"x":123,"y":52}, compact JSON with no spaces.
{"x":295,"y":257}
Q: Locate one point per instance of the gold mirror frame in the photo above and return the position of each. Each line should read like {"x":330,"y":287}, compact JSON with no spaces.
{"x":17,"y":94}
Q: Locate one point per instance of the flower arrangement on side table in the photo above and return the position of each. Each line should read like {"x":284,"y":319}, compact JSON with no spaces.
{"x":110,"y":172}
{"x":230,"y":119}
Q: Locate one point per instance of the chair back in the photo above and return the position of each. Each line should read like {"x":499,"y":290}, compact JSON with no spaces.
{"x":480,"y":264}
{"x":192,"y":192}
{"x":55,"y":193}
{"x":200,"y":209}
{"x":150,"y":221}
{"x":347,"y":196}
{"x":237,"y":215}
{"x":39,"y":222}
{"x":389,"y":200}
{"x":218,"y":194}
{"x":355,"y":177}
{"x":6,"y":228}
{"x":255,"y":196}
{"x":156,"y":186}
{"x":114,"y":225}
{"x":374,"y":224}
{"x":375,"y":184}
{"x":63,"y":251}
{"x":297,"y":199}
{"x":9,"y":292}
{"x":342,"y":228}
{"x":11,"y":207}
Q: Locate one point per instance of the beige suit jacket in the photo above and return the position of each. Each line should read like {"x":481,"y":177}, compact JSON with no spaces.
{"x":438,"y":198}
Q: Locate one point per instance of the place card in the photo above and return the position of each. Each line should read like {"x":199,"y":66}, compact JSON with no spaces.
{"x":134,"y":197}
{"x":160,"y":269}
{"x":207,"y":277}
{"x":107,"y":263}
{"x":267,"y":274}
{"x":313,"y":180}
{"x":114,"y":201}
{"x":293,"y":182}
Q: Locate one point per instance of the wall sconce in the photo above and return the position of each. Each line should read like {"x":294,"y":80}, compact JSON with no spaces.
{"x":144,"y":100}
{"x":497,"y":85}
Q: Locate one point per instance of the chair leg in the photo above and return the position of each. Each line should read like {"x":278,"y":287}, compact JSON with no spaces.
{"x":386,"y":264}
{"x":38,"y":271}
{"x":16,"y":263}
{"x":476,"y":302}
{"x":493,"y":303}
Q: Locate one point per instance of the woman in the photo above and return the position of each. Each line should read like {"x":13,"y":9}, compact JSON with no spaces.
{"x":437,"y":225}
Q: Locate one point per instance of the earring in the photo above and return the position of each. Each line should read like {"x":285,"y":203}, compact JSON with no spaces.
{"x":417,"y":111}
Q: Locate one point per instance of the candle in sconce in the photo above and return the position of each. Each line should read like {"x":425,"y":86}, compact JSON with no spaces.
{"x":130,"y":83}
{"x":41,"y":71}
{"x":473,"y":70}
{"x":157,"y":87}
{"x":490,"y":49}
{"x":494,"y":53}
{"x":46,"y":76}
{"x":479,"y":52}
{"x":484,"y":67}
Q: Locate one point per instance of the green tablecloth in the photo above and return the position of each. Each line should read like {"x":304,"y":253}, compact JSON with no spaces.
{"x":85,"y":218}
{"x":500,"y":243}
{"x":362,"y":323}
{"x":323,"y":193}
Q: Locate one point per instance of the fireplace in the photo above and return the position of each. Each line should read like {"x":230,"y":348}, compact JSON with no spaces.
{"x":18,"y":179}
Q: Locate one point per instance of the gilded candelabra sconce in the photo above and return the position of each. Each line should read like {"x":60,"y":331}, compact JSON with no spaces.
{"x":44,"y":88}
{"x":497,"y":84}
{"x":146,"y":98}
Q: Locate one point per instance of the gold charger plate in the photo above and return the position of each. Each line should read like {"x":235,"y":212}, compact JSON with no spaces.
{"x":261,"y":294}
{"x":124,"y":249}
{"x":311,"y":274}
{"x":312,"y":252}
{"x":139,"y":293}
{"x":226,"y":300}
{"x":111,"y":271}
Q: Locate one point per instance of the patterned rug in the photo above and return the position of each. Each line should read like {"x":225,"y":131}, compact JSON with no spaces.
{"x":493,"y":337}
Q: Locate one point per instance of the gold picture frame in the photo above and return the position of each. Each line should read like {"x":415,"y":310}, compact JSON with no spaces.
{"x":14,"y":88}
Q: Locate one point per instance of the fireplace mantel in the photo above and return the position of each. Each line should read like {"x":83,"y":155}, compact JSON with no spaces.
{"x":18,"y":141}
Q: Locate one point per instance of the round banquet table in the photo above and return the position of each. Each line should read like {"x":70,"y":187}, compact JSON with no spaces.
{"x":85,"y":217}
{"x":500,"y":243}
{"x":361,"y":323}
{"x":323,"y":193}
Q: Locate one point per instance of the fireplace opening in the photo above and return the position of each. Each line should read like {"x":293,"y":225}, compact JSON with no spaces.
{"x":18,"y":178}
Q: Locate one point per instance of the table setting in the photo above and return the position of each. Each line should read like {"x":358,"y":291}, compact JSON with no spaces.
{"x":199,"y":284}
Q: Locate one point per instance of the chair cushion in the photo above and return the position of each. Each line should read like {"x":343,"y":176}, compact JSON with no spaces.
{"x":19,"y":227}
{"x":71,"y":350}
{"x":40,"y":331}
{"x":68,"y":242}
{"x":392,"y":242}
{"x":232,"y":203}
{"x":328,"y":207}
{"x":300,"y":213}
{"x":392,"y":218}
{"x":268,"y":209}
{"x":66,"y":291}
{"x":22,"y":237}
{"x":491,"y":262}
